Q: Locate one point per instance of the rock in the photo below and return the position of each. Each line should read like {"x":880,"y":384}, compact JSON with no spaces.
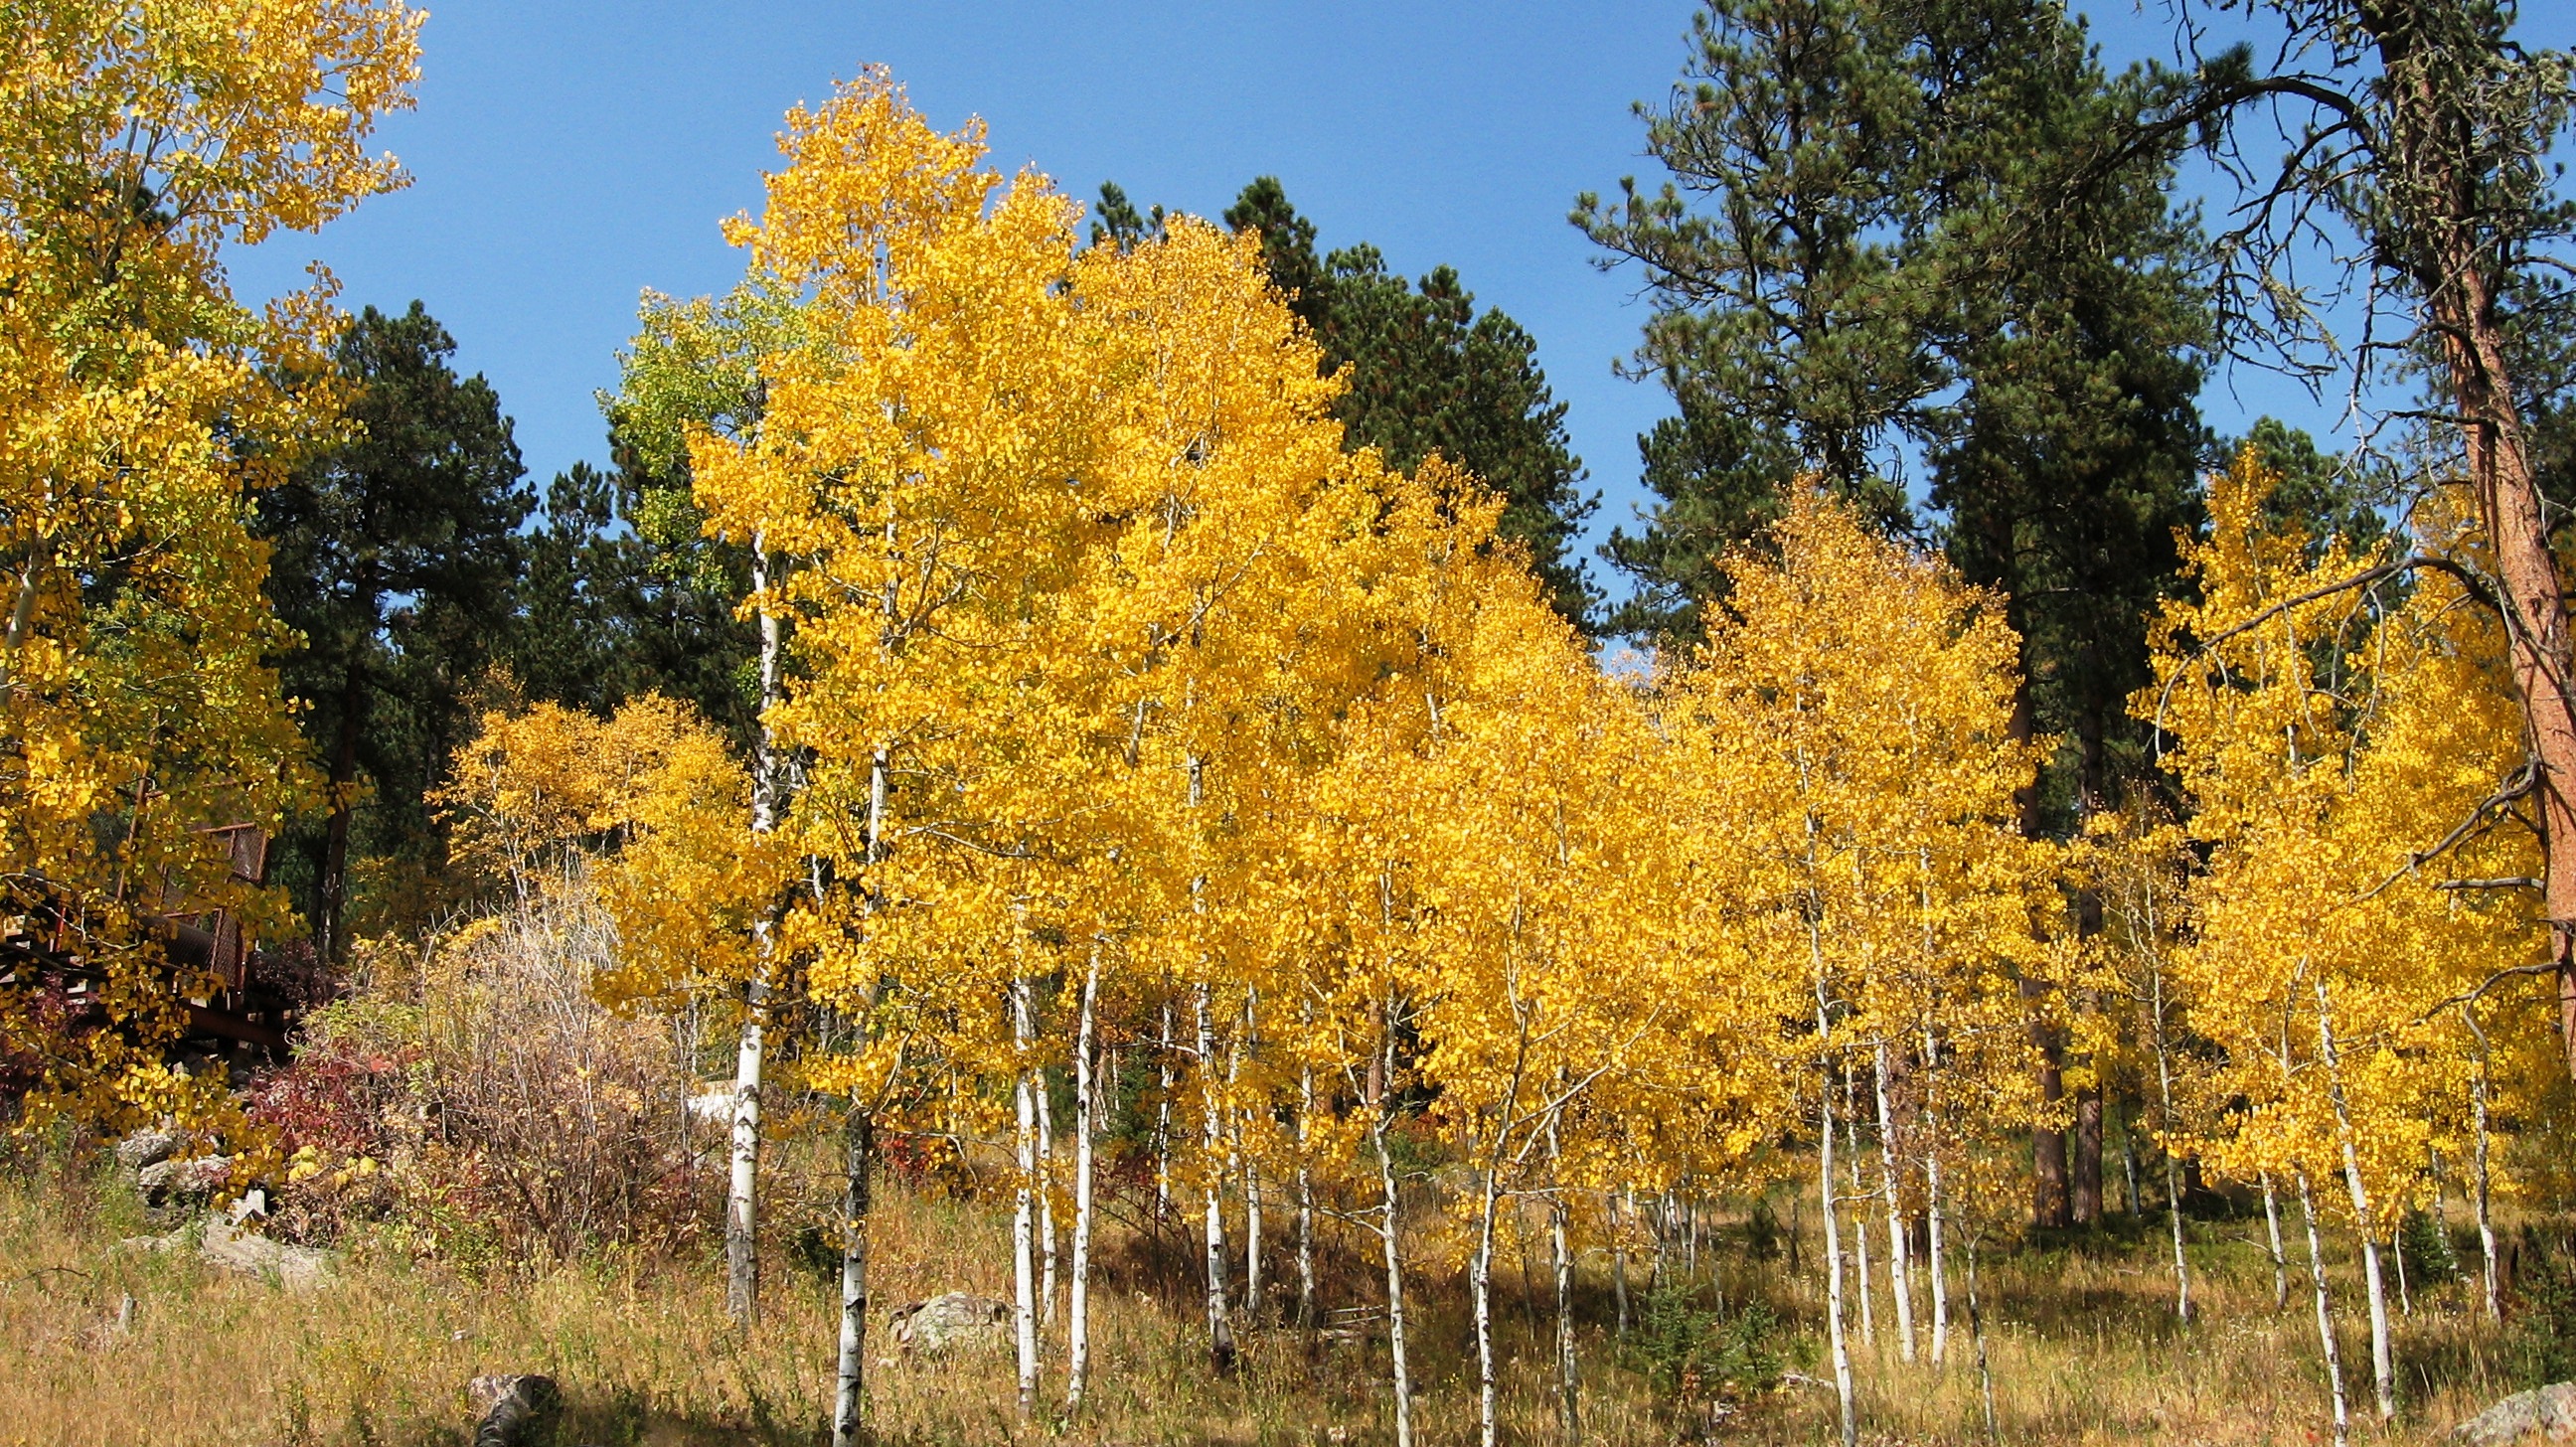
{"x":513,"y":1410}
{"x":297,"y":1268}
{"x":191,"y":1180}
{"x":944,"y":1321}
{"x":2547,"y":1414}
{"x":147,"y":1148}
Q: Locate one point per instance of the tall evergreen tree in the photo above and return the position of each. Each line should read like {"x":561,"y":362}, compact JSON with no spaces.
{"x":1429,"y":373}
{"x":1862,"y":247}
{"x":1784,"y":327}
{"x":396,"y":557}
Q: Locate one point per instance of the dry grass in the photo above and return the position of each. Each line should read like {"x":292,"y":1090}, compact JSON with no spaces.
{"x":2082,"y":1348}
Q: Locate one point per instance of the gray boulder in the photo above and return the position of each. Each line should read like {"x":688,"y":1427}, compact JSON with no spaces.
{"x":944,"y":1321}
{"x":148,"y":1148}
{"x":297,"y":1268}
{"x":513,"y":1410}
{"x":191,"y":1180}
{"x":2546,"y":1414}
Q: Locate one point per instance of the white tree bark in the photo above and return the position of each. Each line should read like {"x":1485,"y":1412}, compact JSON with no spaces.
{"x":742,"y":1221}
{"x":1569,"y":1418}
{"x":1860,"y":1212}
{"x":849,"y":1395}
{"x":1305,"y":1202}
{"x":1024,"y":1315}
{"x":2325,"y":1314}
{"x":1211,"y":1111}
{"x":1833,"y":1244}
{"x":2280,"y":1258}
{"x":1391,"y":1241}
{"x":1900,"y":1286}
{"x":2382,"y":1369}
{"x":2165,"y":1104}
{"x":1932,"y":1207}
{"x":2479,"y":1185}
{"x":1086,"y":1129}
{"x":850,"y":1369}
{"x":1046,"y":1196}
{"x":742,"y":1185}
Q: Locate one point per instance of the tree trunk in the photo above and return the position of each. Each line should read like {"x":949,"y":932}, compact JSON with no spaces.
{"x":1045,"y":1093}
{"x":1480,"y":1296}
{"x":1932,"y":1209}
{"x":1211,"y":1109}
{"x":2383,"y":1373}
{"x":1833,"y":1244}
{"x":2280,"y":1259}
{"x":1619,"y":1253}
{"x":2325,"y":1314}
{"x":1305,"y":1202}
{"x":848,"y":1398}
{"x":2479,"y":1185}
{"x":1402,"y":1378}
{"x":1568,"y":1401}
{"x":2165,"y":1104}
{"x":1977,"y":1331}
{"x":1086,"y":1129}
{"x":1163,"y":1123}
{"x":2440,"y":197}
{"x":1860,"y":1212}
{"x":742,"y":1236}
{"x":1900,"y":1285}
{"x":1024,"y":1314}
{"x":2088,"y":1158}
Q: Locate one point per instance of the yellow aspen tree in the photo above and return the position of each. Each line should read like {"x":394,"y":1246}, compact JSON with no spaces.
{"x":2341,"y":751}
{"x":1869,"y":690}
{"x":142,"y":407}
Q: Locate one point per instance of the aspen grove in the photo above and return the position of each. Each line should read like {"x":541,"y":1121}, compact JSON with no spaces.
{"x":1119,"y":718}
{"x":1189,"y":835}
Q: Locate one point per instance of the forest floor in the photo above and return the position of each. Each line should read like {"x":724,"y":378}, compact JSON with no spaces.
{"x":108,"y":1346}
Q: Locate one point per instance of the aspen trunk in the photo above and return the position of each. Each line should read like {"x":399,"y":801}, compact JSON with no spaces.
{"x":2325,"y":1314}
{"x":1220,"y":1327}
{"x":1860,"y":1212}
{"x":1024,"y":1316}
{"x":2479,"y":1183}
{"x":1900,"y":1287}
{"x":1932,"y":1209}
{"x":2165,"y":1104}
{"x":849,"y":1394}
{"x":742,"y":1253}
{"x":742,"y":1236}
{"x":1046,"y":1195}
{"x":1977,"y":1332}
{"x":1568,"y":1400}
{"x":1480,"y":1292}
{"x":1619,"y":1254}
{"x":2280,"y":1259}
{"x":1163,"y":1124}
{"x":2397,"y":1254}
{"x":1305,"y":1202}
{"x":1086,"y":1129}
{"x":1833,"y":1248}
{"x":1400,"y":1368}
{"x":2129,"y":1160}
{"x":848,"y":1399}
{"x":2383,"y":1373}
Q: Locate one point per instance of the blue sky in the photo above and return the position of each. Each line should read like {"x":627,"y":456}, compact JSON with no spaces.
{"x":566,"y":155}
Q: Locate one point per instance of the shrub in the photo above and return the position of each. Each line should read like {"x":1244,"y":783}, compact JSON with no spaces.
{"x":501,"y":1108}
